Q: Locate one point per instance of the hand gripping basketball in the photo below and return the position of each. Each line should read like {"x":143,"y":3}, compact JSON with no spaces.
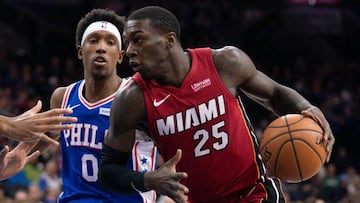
{"x":292,"y":148}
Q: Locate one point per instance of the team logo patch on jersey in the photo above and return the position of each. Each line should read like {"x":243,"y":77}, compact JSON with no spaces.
{"x":104,"y":111}
{"x":202,"y":84}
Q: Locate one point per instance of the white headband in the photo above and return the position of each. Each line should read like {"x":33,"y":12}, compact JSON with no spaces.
{"x":101,"y":25}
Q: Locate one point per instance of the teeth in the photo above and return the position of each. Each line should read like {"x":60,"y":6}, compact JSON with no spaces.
{"x":100,"y":60}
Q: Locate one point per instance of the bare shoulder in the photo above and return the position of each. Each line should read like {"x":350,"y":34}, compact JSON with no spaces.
{"x":130,"y":93}
{"x":59,"y":92}
{"x":233,"y":65}
{"x":129,"y":101}
{"x":229,"y":54}
{"x":57,"y":97}
{"x":230,"y":57}
{"x":226,"y":50}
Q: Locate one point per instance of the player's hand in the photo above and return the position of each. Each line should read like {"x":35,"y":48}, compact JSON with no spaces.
{"x":12,"y":162}
{"x":32,"y":125}
{"x":166,"y":180}
{"x":329,"y":139}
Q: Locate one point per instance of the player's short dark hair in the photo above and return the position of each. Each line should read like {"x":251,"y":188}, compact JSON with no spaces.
{"x":160,"y":19}
{"x":94,"y":15}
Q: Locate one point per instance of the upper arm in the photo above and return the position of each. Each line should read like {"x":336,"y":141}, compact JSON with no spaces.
{"x":128,"y":109}
{"x":55,"y":102}
{"x":57,"y":97}
{"x":238,"y":72}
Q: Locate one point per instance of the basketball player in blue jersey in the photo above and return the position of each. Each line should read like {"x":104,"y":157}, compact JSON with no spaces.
{"x":98,"y":42}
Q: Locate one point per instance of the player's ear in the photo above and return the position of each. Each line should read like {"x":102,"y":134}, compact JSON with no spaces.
{"x":121,"y":56}
{"x":80,"y":55}
{"x":171,"y":39}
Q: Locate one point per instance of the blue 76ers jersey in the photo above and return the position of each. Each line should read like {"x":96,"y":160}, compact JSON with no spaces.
{"x":81,"y":150}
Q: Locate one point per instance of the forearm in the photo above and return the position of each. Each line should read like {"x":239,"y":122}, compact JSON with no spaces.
{"x":4,"y":125}
{"x":115,"y":177}
{"x":286,"y":100}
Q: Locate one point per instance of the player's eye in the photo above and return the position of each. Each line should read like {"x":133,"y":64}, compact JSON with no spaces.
{"x":92,"y":40}
{"x":111,"y":42}
{"x":137,"y":40}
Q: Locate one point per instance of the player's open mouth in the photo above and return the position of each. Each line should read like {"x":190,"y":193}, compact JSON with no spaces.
{"x":100,"y":60}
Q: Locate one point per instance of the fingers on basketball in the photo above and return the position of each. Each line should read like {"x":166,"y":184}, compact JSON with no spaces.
{"x":292,"y":148}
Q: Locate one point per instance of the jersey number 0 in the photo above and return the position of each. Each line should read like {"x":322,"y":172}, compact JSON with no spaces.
{"x":89,"y":167}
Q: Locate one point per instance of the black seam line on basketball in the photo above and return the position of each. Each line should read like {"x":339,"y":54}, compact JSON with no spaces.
{"x":277,"y":158}
{"x":309,"y":145}
{"x":299,"y":129}
{"x":285,"y":133}
{"x":280,"y":151}
{"x":293,"y":147}
{"x":281,"y":126}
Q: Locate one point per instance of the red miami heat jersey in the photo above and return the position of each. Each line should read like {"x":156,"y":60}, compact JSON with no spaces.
{"x":210,"y":126}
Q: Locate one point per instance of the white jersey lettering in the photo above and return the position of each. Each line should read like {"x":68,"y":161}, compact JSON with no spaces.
{"x":83,"y":134}
{"x":191,"y":117}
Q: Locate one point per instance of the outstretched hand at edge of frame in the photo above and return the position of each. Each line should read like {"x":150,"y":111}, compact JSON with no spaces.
{"x":32,"y":126}
{"x":12,"y":162}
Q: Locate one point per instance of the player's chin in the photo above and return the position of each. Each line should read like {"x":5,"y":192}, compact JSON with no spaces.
{"x":99,"y":75}
{"x":145,"y":75}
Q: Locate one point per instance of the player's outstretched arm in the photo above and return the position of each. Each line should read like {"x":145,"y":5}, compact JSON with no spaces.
{"x":32,"y":125}
{"x":11,"y":162}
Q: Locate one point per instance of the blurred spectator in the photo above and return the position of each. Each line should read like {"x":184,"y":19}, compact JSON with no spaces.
{"x":35,"y":193}
{"x":50,"y":179}
{"x":33,"y":169}
{"x":342,"y":160}
{"x":51,"y":196}
{"x":350,"y":182}
{"x":330,"y":185}
{"x":314,"y":200}
{"x":21,"y":195}
{"x":353,"y":190}
{"x":3,"y":192}
{"x":18,"y":181}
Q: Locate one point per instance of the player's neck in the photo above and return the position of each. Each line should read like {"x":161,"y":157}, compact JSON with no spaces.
{"x":178,"y":69}
{"x":96,"y":90}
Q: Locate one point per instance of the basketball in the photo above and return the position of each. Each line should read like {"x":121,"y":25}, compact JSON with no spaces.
{"x":292,"y":148}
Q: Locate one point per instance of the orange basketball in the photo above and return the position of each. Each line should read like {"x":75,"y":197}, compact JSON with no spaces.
{"x":292,"y":148}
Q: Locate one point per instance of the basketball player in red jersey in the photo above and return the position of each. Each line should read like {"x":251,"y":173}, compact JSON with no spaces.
{"x":191,"y":103}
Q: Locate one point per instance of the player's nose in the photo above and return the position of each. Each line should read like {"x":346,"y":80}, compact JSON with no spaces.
{"x":101,"y":47}
{"x":130,"y":50}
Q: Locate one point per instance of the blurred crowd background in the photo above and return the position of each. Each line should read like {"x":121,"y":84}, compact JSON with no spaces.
{"x":310,"y":45}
